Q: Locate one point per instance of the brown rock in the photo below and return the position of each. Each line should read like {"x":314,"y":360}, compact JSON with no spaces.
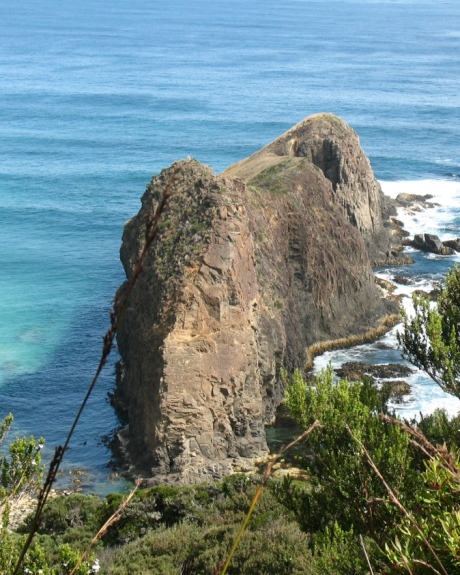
{"x":242,"y":278}
{"x":356,"y":370}
{"x":397,"y":390}
{"x":411,"y":200}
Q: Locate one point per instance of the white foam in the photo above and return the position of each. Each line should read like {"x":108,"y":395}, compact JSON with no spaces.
{"x":406,"y":290}
{"x":434,"y":220}
{"x":426,"y":396}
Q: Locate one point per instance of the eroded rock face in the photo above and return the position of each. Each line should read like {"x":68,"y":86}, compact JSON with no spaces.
{"x":245,"y":274}
{"x":329,"y":143}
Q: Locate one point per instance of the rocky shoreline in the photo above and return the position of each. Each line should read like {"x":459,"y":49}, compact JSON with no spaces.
{"x":412,"y":204}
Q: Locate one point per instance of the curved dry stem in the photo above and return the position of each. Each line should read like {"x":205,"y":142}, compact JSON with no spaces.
{"x":396,"y":501}
{"x":385,"y":324}
{"x":258,"y":493}
{"x":103,"y":530}
{"x":116,"y":315}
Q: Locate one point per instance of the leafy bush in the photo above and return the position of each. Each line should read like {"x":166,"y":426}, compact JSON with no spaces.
{"x":440,"y":429}
{"x":35,"y":561}
{"x":344,"y":489}
{"x":427,"y":539}
{"x":431,"y":338}
{"x":279,"y":548}
{"x":68,"y":512}
{"x":20,"y":469}
{"x":338,"y":552}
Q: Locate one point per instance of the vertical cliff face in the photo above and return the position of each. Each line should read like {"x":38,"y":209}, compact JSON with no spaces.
{"x":188,"y":340}
{"x":245,"y":273}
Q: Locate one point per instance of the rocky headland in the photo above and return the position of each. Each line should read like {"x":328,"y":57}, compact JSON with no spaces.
{"x":250,"y":269}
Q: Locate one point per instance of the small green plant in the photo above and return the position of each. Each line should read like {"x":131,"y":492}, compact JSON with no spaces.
{"x":35,"y":560}
{"x":68,"y":558}
{"x":426,"y":540}
{"x":20,"y":470}
{"x":337,"y":552}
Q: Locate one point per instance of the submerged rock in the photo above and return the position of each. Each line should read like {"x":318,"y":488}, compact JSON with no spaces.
{"x":397,"y":390}
{"x":356,"y":370}
{"x":248,"y":270}
{"x":414,"y":200}
{"x":402,"y":280}
{"x":384,"y":374}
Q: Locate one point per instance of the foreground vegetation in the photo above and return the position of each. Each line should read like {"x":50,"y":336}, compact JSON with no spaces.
{"x":382,"y":495}
{"x":343,"y":521}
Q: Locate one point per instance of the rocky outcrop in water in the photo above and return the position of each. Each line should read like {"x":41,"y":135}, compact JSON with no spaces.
{"x":432,"y":244}
{"x":452,"y":244}
{"x":384,"y":375}
{"x":249,"y":269}
{"x":414,"y":202}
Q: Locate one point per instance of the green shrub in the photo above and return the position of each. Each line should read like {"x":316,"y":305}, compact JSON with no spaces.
{"x":339,"y":552}
{"x":431,"y":337}
{"x":35,"y":561}
{"x":441,"y":429}
{"x":344,"y":489}
{"x":280,"y":548}
{"x":427,"y":539}
{"x":69,"y":512}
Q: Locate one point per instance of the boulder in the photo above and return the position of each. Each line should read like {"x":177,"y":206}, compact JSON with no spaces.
{"x":452,"y":244}
{"x":397,"y":390}
{"x":402,"y":280}
{"x":356,"y":370}
{"x":431,"y":243}
{"x":409,"y":200}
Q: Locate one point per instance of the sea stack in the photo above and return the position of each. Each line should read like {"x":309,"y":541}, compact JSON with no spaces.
{"x":249,"y":269}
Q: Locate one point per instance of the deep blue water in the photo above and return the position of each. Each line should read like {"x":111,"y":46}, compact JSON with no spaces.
{"x":96,"y":96}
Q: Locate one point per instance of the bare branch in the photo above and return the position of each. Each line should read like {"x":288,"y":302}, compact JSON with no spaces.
{"x":119,"y":308}
{"x":396,"y":501}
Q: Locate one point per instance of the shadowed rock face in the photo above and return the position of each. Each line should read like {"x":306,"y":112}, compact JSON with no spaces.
{"x":249,"y":269}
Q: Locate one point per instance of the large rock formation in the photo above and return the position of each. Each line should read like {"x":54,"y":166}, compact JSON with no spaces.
{"x":329,"y":143}
{"x":249,"y":269}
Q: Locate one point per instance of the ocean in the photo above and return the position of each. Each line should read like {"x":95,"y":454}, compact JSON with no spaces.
{"x":97,"y":96}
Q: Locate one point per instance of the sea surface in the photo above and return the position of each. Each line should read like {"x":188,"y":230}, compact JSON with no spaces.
{"x":97,"y":96}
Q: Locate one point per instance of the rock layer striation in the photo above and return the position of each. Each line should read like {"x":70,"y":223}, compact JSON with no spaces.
{"x":249,"y":269}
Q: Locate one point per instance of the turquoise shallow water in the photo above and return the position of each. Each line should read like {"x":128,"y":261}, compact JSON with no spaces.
{"x":97,"y":96}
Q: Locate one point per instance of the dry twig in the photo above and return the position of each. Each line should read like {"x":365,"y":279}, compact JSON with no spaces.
{"x":119,"y":307}
{"x":258,"y":493}
{"x":396,"y":501}
{"x":103,"y":530}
